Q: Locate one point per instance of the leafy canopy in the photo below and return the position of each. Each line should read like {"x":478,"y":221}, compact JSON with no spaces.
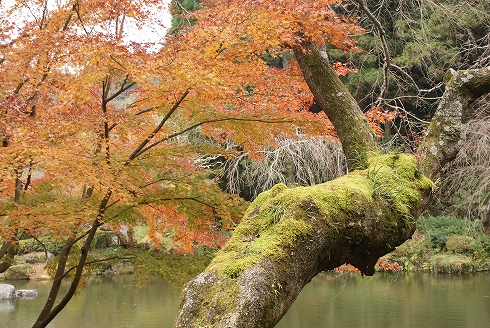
{"x":88,"y":116}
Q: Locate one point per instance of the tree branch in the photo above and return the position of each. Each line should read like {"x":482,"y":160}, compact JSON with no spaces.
{"x":440,"y":145}
{"x":384,"y":44}
{"x":140,"y":149}
{"x":336,"y":101}
{"x":194,"y":126}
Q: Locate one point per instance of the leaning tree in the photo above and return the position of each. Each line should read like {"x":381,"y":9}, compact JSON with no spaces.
{"x":289,"y":235}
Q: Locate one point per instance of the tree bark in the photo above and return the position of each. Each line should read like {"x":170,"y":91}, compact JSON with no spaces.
{"x":7,"y":253}
{"x":287,"y":236}
{"x":336,"y":101}
{"x":441,"y":144}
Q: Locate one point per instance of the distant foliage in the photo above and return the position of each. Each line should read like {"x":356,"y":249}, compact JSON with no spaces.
{"x":442,"y":228}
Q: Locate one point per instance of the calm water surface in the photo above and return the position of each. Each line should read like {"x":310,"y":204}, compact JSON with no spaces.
{"x":394,"y":300}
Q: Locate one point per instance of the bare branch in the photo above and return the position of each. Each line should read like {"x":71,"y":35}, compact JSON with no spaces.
{"x":194,"y":126}
{"x":141,"y":148}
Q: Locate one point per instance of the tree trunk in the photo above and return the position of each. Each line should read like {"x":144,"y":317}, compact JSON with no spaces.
{"x":441,"y":144}
{"x":287,"y":236}
{"x":336,"y":101}
{"x":50,"y":311}
{"x":7,"y":253}
{"x":485,"y":216}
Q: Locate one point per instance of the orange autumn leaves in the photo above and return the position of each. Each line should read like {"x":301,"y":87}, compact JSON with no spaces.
{"x":63,"y":118}
{"x":376,"y":117}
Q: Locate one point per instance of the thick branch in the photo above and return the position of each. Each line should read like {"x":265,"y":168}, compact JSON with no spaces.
{"x":289,"y":235}
{"x":440,"y":145}
{"x":341,"y":108}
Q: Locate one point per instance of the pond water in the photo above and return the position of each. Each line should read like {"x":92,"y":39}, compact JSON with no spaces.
{"x":384,"y":300}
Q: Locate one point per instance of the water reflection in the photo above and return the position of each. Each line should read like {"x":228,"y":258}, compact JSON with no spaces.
{"x":105,"y":302}
{"x":401,"y":300}
{"x":6,"y":305}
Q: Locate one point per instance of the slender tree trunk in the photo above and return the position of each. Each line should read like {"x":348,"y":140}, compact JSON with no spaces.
{"x":485,"y":216}
{"x":10,"y":247}
{"x":287,"y":236}
{"x":336,"y":101}
{"x":49,"y":310}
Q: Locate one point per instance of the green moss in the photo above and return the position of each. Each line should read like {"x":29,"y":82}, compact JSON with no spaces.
{"x":396,"y":178}
{"x":280,"y":217}
{"x":217,"y":300}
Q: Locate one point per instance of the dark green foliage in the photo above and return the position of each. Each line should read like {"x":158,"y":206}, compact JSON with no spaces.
{"x":448,"y":226}
{"x":445,"y":244}
{"x":424,"y":38}
{"x":52,"y":245}
{"x":104,"y":239}
{"x":441,"y":228}
{"x":180,"y":8}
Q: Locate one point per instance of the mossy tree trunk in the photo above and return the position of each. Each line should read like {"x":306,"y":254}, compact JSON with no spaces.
{"x":336,"y":101}
{"x":441,"y":144}
{"x":287,"y":236}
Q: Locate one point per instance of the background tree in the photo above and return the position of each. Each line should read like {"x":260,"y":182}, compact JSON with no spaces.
{"x":411,"y":46}
{"x":408,"y":49}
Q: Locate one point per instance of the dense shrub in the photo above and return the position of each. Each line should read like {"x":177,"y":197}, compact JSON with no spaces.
{"x":460,"y":244}
{"x":31,"y":245}
{"x":440,"y":228}
{"x":446,"y":245}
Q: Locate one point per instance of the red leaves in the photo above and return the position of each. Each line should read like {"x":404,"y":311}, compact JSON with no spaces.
{"x":377,"y":116}
{"x":342,"y":69}
{"x":385,"y":266}
{"x":381,"y":265}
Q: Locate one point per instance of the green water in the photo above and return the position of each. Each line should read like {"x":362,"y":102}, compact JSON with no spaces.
{"x":394,"y":300}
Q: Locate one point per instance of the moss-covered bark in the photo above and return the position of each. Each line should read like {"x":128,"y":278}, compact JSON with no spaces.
{"x":289,"y":235}
{"x":440,"y":145}
{"x":337,"y":102}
